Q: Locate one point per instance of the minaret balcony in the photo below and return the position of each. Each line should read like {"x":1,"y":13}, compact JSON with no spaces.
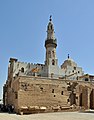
{"x":51,"y":41}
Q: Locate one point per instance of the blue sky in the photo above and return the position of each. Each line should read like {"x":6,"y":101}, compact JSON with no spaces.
{"x":23,"y":26}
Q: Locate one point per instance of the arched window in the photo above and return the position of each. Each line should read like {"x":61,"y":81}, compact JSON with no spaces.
{"x":61,"y":92}
{"x":52,"y":90}
{"x":22,"y":69}
{"x":53,"y":62}
{"x":49,"y":54}
{"x":51,"y":27}
{"x":53,"y":53}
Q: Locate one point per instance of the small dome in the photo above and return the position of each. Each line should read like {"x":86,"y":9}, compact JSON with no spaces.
{"x":69,"y":59}
{"x":68,"y":62}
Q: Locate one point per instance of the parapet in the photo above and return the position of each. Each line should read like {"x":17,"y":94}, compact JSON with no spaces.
{"x":13,"y":59}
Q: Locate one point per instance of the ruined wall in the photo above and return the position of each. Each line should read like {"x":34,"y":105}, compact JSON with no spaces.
{"x":26,"y":91}
{"x":42,"y":92}
{"x":11,"y":94}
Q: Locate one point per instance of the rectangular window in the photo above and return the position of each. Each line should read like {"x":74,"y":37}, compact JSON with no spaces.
{"x":74,"y":68}
{"x":52,"y":90}
{"x":61,"y":92}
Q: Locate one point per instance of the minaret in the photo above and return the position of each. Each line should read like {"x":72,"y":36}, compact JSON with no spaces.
{"x":50,"y":45}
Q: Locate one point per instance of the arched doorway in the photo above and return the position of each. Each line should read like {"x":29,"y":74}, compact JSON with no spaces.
{"x":83,"y":98}
{"x":92,"y":99}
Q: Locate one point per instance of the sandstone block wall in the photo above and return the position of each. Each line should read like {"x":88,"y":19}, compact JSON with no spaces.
{"x":45,"y":92}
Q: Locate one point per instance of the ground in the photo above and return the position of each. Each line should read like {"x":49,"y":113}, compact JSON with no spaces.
{"x":50,"y":116}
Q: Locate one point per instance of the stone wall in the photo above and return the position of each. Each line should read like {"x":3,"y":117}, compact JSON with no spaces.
{"x":50,"y":93}
{"x":39,"y":92}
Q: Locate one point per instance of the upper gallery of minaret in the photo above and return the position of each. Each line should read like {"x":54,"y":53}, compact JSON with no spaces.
{"x":50,"y":34}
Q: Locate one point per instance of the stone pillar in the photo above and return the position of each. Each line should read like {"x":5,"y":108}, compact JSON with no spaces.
{"x":89,"y":91}
{"x":85,"y":97}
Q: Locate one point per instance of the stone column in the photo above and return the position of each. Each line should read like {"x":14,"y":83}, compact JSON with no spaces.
{"x":89,"y":91}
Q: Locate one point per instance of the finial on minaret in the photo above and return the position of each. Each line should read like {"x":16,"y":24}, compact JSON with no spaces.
{"x":68,"y":56}
{"x":50,"y":18}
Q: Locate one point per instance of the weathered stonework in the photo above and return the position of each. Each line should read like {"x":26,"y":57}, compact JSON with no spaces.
{"x":30,"y":92}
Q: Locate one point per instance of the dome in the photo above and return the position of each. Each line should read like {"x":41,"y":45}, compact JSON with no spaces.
{"x":69,"y":62}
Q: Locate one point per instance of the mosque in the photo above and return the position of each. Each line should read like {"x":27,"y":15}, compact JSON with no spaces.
{"x":47,"y":87}
{"x":50,"y":68}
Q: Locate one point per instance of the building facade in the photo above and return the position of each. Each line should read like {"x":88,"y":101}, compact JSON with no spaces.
{"x":47,"y":87}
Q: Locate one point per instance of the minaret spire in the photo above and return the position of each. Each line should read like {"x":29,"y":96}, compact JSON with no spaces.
{"x":50,"y":29}
{"x":68,"y":56}
{"x":50,"y":18}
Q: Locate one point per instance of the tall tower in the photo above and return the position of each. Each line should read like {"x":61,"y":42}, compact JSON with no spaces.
{"x":50,"y":45}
